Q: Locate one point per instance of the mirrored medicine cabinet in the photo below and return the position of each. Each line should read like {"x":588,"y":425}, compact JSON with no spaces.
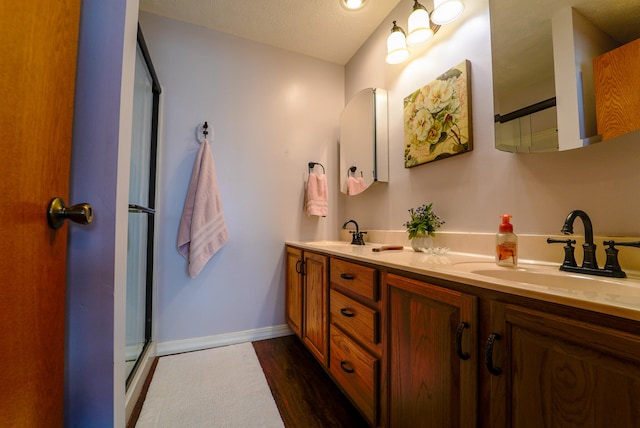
{"x":364,"y":141}
{"x":543,"y":78}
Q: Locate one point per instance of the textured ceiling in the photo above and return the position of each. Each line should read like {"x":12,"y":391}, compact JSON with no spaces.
{"x":319,"y":28}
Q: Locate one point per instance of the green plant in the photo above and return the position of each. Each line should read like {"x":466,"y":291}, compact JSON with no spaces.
{"x":423,"y":221}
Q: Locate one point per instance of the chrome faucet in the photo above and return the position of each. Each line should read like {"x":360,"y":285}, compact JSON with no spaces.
{"x":357,"y":235}
{"x":589,"y":248}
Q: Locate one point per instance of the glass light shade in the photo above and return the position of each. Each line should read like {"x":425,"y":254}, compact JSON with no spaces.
{"x":419,"y":28}
{"x":352,"y":4}
{"x":446,"y":11}
{"x":397,"y":51}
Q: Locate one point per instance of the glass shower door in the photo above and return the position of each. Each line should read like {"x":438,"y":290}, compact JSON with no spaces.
{"x":141,"y":209}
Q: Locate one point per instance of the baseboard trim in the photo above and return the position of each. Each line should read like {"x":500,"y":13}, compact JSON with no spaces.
{"x":206,"y":342}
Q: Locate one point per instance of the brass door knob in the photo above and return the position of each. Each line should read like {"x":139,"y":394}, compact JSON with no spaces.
{"x":57,"y":213}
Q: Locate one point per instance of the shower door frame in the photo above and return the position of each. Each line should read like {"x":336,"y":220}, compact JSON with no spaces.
{"x":150,"y":209}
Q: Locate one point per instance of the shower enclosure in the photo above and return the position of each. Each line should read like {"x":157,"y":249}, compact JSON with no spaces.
{"x":142,"y":190}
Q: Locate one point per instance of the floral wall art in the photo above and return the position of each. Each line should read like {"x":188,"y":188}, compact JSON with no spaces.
{"x":437,"y":118}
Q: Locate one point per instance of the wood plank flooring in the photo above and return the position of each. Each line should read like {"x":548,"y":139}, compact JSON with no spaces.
{"x":304,"y":393}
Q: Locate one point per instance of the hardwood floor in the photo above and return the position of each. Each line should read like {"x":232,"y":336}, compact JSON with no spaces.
{"x":305,"y":395}
{"x":303,"y":391}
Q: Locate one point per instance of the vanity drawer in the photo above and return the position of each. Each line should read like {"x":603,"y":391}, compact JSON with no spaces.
{"x":355,"y":318}
{"x":356,"y":371}
{"x":357,"y":278}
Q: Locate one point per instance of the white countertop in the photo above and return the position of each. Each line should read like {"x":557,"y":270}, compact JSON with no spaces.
{"x":613,"y":296}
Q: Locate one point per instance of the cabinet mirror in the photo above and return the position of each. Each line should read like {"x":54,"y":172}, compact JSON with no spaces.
{"x":364,"y":141}
{"x":543,"y":78}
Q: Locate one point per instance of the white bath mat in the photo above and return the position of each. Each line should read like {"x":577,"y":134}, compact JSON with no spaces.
{"x":220,"y":387}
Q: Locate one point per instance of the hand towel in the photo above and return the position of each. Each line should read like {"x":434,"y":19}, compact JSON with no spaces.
{"x":203,"y":230}
{"x":355,"y":185}
{"x":317,"y":195}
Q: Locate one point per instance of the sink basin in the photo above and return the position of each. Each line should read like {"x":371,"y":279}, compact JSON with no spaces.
{"x":546,"y":276}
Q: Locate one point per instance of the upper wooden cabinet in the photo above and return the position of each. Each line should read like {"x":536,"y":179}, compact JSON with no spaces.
{"x":432,"y":355}
{"x":552,"y":371}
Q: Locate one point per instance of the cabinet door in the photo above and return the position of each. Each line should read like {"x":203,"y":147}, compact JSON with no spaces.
{"x":432,"y":363}
{"x":294,"y":290}
{"x":561,"y":372}
{"x":315,"y":325}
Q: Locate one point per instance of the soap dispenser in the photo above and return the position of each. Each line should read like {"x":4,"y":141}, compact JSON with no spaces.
{"x":506,"y":243}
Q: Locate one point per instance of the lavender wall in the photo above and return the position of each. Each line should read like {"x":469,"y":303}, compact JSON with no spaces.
{"x":272,"y":112}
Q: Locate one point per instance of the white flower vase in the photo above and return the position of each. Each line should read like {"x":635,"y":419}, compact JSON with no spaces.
{"x":419,"y":243}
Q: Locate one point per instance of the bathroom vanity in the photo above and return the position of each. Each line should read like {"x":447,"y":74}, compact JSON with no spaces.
{"x":453,"y":340}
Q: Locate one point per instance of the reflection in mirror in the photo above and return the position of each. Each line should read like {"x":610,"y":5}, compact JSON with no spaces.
{"x":364,"y":141}
{"x":543,"y":79}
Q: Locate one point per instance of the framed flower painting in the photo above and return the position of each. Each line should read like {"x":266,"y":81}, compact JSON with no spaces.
{"x":437,"y":118}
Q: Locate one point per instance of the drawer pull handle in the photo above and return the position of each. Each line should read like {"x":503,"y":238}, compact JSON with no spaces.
{"x":346,"y":367}
{"x":347,"y":312}
{"x":488,"y":354}
{"x":461,"y":355}
{"x":347,"y":276}
{"x":299,"y":267}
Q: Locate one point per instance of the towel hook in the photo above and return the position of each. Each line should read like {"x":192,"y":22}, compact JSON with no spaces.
{"x":352,"y":169}
{"x":205,"y":128}
{"x":313,"y":164}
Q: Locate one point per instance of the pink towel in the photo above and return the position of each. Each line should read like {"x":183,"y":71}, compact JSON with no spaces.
{"x":203,"y":230}
{"x":355,"y":185}
{"x":317,"y":195}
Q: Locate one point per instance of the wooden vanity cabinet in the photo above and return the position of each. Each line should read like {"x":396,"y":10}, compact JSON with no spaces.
{"x":355,"y":343}
{"x":555,"y":371}
{"x":431,"y":355}
{"x":307,"y":299}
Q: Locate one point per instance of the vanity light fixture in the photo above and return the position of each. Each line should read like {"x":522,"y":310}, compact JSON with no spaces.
{"x":421,"y":28}
{"x":397,"y":51}
{"x":352,"y":4}
{"x":446,"y":11}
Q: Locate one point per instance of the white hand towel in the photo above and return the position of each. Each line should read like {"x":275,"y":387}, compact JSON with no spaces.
{"x":317,"y":195}
{"x":203,"y":230}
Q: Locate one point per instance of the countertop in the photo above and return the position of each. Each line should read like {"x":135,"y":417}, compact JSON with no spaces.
{"x":613,"y":296}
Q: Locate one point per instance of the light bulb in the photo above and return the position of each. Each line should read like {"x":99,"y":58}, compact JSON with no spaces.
{"x":419,"y":28}
{"x":352,"y":4}
{"x":446,"y":11}
{"x":397,"y":51}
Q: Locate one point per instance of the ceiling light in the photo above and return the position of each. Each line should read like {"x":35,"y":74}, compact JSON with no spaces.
{"x":446,"y":11}
{"x":352,"y":4}
{"x":397,"y":51}
{"x":419,"y":27}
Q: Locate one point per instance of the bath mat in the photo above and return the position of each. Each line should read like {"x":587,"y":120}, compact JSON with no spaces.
{"x":219,"y":387}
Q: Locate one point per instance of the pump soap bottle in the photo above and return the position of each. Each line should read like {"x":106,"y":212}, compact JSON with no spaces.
{"x":506,"y":244}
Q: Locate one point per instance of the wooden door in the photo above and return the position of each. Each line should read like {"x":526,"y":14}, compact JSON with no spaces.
{"x":316,"y":305}
{"x":562,"y":372}
{"x":37,"y":77}
{"x":293,"y":290}
{"x":431,"y":359}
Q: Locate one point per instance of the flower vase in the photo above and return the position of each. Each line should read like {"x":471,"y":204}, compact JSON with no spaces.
{"x":421,"y":242}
